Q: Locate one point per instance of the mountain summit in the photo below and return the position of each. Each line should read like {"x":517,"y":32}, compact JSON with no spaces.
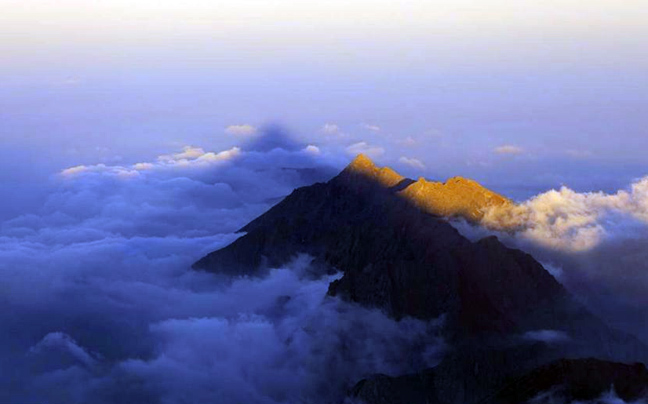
{"x":457,"y":197}
{"x":389,"y":237}
{"x":361,"y":190}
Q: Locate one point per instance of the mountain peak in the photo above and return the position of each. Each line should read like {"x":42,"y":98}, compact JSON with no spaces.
{"x":456,"y":197}
{"x":362,"y":162}
{"x":362,"y":170}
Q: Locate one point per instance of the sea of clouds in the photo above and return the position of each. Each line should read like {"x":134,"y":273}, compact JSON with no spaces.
{"x":100,"y":304}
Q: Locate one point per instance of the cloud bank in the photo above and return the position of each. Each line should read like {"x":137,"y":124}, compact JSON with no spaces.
{"x":100,"y":305}
{"x":568,"y":220}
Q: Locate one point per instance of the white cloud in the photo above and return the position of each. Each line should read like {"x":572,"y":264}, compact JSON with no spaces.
{"x":331,"y":129}
{"x":220,"y":156}
{"x":508,"y":149}
{"x":312,"y":149}
{"x":373,"y":128}
{"x":569,"y":220}
{"x":365,"y":148}
{"x":241,"y":130}
{"x":408,"y":141}
{"x":412,"y":162}
{"x":188,"y":157}
{"x":188,"y":152}
{"x":101,"y":278}
{"x":143,"y":166}
{"x":80,"y":169}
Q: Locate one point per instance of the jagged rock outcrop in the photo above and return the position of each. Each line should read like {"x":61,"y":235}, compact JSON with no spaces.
{"x":399,"y":254}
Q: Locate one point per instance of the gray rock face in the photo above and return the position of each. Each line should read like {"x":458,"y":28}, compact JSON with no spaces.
{"x":406,"y":261}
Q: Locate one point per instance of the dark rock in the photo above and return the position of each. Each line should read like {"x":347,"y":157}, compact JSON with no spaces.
{"x":581,"y":379}
{"x":565,"y":380}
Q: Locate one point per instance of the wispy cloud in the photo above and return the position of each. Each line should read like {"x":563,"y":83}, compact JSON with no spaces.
{"x":331,"y":129}
{"x":508,"y":149}
{"x":241,"y":130}
{"x":408,"y":141}
{"x":373,"y":128}
{"x":189,"y":157}
{"x":365,"y":148}
{"x":579,"y":154}
{"x":412,"y":162}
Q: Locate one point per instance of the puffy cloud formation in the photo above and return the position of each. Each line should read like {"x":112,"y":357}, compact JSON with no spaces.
{"x":508,"y":149}
{"x":568,"y":220}
{"x":312,"y":149}
{"x":100,"y":306}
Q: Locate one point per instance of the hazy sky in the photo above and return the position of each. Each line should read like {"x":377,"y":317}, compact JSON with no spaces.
{"x":521,"y":95}
{"x":104,"y":205}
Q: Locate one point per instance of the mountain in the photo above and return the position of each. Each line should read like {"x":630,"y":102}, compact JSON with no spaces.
{"x":457,"y":197}
{"x":504,"y":314}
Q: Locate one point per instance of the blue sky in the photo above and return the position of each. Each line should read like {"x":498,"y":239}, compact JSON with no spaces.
{"x":522,"y":97}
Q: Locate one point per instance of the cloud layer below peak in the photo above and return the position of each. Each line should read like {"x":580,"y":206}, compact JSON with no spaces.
{"x":101,"y":305}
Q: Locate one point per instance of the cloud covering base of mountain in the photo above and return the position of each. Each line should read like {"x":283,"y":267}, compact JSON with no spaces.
{"x":100,"y":304}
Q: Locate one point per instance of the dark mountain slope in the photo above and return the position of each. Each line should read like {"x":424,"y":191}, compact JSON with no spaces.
{"x":396,"y":255}
{"x":562,"y":381}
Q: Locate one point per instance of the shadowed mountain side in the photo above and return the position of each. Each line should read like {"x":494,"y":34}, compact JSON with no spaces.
{"x":407,"y":261}
{"x":497,"y":302}
{"x":349,"y":198}
{"x":563,"y":381}
{"x":582,"y":379}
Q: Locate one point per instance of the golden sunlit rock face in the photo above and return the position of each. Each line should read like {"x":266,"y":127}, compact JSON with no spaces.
{"x":385,"y":176}
{"x":457,"y":197}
